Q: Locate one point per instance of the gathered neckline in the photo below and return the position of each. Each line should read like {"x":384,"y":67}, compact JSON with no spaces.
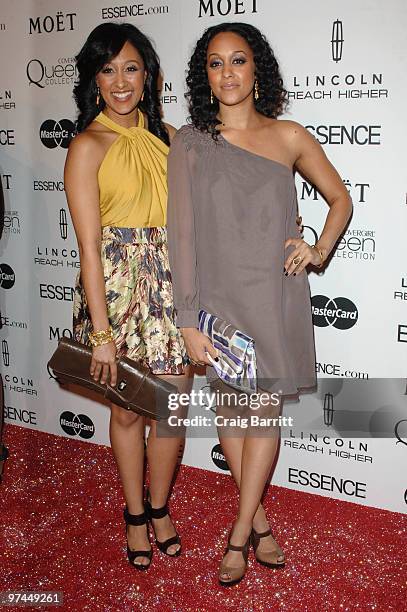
{"x":120,"y":129}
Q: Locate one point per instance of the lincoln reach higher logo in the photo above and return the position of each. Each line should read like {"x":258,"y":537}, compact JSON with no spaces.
{"x":63,"y":224}
{"x":337,"y":40}
{"x":5,"y":353}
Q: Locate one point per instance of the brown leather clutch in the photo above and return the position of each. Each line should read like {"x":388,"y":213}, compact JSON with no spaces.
{"x":136,"y":389}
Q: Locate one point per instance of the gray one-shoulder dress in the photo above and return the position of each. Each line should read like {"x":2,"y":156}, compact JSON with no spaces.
{"x":229,"y":214}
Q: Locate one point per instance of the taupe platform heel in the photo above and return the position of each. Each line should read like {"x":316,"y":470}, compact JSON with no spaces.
{"x":269,"y":559}
{"x":236,"y":573}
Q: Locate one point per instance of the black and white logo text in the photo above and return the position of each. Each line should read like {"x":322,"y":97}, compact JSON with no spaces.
{"x":77,"y":425}
{"x":52,"y":23}
{"x":221,"y":8}
{"x":57,"y":133}
{"x":339,"y":312}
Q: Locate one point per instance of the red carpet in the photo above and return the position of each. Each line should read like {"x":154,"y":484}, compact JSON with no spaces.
{"x":62,"y":530}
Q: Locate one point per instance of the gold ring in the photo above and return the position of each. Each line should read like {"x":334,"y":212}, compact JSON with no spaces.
{"x":196,"y":363}
{"x":297,"y":260}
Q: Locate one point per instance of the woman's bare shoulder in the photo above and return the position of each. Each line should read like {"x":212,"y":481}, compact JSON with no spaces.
{"x":288,"y":127}
{"x":90,"y":146}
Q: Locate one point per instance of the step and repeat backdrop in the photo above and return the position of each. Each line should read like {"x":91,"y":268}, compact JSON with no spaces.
{"x":344,"y":66}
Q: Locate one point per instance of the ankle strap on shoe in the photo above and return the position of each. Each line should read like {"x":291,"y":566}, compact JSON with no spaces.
{"x":3,"y":451}
{"x":264,"y":534}
{"x":134,"y":519}
{"x":156,"y":513}
{"x":237,"y":548}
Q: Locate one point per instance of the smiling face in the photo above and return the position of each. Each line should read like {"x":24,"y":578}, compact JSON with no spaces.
{"x":121,"y":81}
{"x":230,"y":67}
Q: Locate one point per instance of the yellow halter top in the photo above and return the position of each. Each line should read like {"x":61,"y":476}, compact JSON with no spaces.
{"x":133,"y":177}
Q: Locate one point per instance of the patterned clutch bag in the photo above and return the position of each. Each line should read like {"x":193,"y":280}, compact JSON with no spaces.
{"x":237,"y":357}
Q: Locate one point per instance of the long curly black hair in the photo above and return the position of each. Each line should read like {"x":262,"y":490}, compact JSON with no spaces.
{"x":103,"y":44}
{"x":273,"y":97}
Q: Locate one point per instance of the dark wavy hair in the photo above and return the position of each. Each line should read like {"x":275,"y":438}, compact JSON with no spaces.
{"x":102,"y":45}
{"x":272,"y":95}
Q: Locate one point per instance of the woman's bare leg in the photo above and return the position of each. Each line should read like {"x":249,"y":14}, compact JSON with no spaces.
{"x":162,"y":456}
{"x":250,"y":456}
{"x":127,"y":441}
{"x":233,"y":450}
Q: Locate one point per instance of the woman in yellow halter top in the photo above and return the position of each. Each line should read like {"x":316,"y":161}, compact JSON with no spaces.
{"x":116,"y":186}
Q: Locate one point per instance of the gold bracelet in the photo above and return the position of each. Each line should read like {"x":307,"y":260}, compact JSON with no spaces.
{"x":314,"y":246}
{"x":104,"y":336}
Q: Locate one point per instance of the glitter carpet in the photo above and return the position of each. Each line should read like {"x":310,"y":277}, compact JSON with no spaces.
{"x":62,"y":530}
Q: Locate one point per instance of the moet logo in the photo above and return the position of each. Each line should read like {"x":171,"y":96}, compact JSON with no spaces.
{"x":5,"y":181}
{"x":215,"y":8}
{"x":56,"y":333}
{"x":47,"y":24}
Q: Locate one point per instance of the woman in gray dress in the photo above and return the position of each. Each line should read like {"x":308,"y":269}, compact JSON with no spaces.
{"x":235,"y":250}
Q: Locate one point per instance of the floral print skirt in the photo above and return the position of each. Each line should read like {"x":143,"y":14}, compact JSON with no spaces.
{"x":139,"y":299}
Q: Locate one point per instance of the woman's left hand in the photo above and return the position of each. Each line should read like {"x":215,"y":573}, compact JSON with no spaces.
{"x":299,"y":258}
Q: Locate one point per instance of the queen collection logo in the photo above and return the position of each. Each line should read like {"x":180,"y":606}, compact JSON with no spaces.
{"x":61,"y":72}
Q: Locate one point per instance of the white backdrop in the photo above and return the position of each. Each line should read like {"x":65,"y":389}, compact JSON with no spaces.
{"x":344,"y":66}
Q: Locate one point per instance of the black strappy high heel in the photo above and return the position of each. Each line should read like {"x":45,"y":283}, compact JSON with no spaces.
{"x":3,"y":454}
{"x":136,"y":520}
{"x":157,"y":513}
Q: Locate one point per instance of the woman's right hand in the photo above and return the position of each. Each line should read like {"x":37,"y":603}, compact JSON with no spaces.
{"x":197,"y":345}
{"x":103,"y":364}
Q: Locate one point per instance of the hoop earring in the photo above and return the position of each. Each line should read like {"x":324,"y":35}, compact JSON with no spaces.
{"x":142,"y":97}
{"x":211,"y":96}
{"x":97,"y":96}
{"x":256,"y":90}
